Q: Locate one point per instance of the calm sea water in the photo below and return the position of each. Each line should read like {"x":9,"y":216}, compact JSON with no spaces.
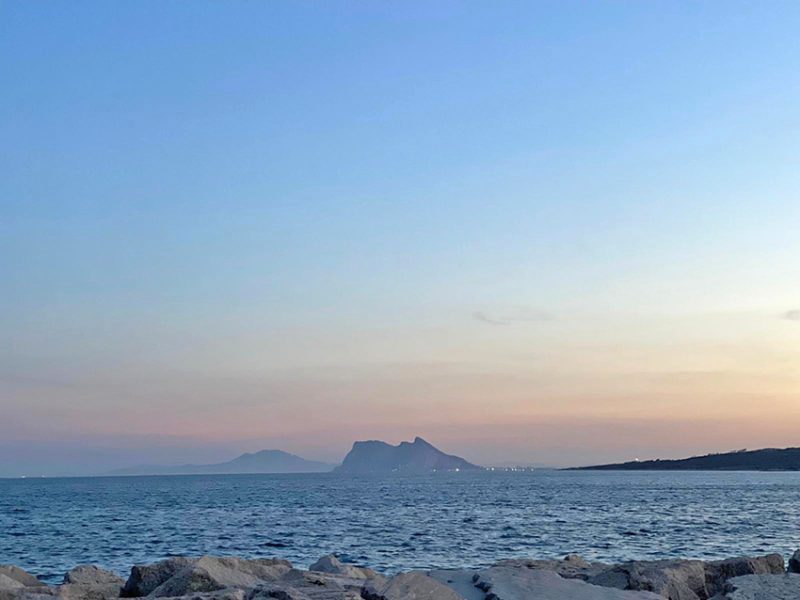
{"x":394,"y":522}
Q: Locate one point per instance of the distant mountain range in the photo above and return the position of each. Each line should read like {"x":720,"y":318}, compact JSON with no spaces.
{"x":408,"y":457}
{"x":266,"y":461}
{"x":768,"y":459}
{"x":365,"y":457}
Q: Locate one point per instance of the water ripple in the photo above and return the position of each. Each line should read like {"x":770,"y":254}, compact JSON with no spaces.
{"x":394,"y":523}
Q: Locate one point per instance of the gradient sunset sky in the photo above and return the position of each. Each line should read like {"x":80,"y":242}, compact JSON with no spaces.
{"x":530,"y":232}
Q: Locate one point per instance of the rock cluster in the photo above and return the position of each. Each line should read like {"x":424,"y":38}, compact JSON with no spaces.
{"x":571,"y":578}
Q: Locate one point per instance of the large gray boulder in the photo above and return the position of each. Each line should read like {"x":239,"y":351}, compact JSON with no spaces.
{"x":794,"y":562}
{"x":512,"y":583}
{"x":671,"y":579}
{"x":7,"y":584}
{"x":92,"y":575}
{"x":685,"y":579}
{"x":720,"y":571}
{"x":181,"y":576}
{"x":211,"y":573}
{"x":146,"y":578}
{"x":20,"y":576}
{"x":414,"y":585}
{"x":16,"y":584}
{"x":89,"y":582}
{"x":762,"y":587}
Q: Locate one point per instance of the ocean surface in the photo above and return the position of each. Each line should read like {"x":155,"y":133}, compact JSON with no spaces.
{"x":396,"y":522}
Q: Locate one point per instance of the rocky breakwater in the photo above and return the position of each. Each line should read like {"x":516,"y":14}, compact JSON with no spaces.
{"x":570,"y":578}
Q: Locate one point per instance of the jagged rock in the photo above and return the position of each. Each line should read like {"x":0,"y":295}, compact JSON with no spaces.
{"x":762,"y":587}
{"x":331,"y":564}
{"x":794,"y":562}
{"x":211,"y":573}
{"x":571,"y":566}
{"x":672,"y":579}
{"x":719,"y":571}
{"x":145,"y":578}
{"x":92,"y":575}
{"x":462,"y":581}
{"x":512,"y":583}
{"x":21,"y":576}
{"x":414,"y":585}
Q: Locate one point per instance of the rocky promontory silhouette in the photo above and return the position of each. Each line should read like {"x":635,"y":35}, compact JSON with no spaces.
{"x":407,"y":457}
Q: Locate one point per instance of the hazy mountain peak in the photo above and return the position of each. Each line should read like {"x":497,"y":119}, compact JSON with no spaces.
{"x":263,"y":461}
{"x":418,"y":456}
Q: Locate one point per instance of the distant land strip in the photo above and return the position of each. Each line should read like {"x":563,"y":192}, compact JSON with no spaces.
{"x":767,"y":459}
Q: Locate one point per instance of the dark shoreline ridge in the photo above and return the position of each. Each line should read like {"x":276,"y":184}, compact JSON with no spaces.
{"x":570,"y":578}
{"x":767,"y":459}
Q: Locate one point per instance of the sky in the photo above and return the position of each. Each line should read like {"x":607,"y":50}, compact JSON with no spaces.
{"x":530,"y":232}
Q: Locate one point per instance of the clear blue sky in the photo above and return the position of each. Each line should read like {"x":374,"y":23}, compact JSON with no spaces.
{"x":230,"y":225}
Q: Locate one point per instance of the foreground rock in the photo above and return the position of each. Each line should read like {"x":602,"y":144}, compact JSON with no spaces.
{"x":794,"y":562}
{"x":321,"y":586}
{"x":146,"y":578}
{"x":93,"y":575}
{"x":211,"y":574}
{"x":685,"y":579}
{"x":719,"y":572}
{"x":672,"y":579}
{"x":762,"y":587}
{"x":16,"y":583}
{"x":509,"y":583}
{"x":89,"y":582}
{"x":415,"y":585}
{"x":570,"y":578}
{"x":18,"y":575}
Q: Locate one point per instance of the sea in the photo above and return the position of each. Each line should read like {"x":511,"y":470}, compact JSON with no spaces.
{"x":396,"y":522}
